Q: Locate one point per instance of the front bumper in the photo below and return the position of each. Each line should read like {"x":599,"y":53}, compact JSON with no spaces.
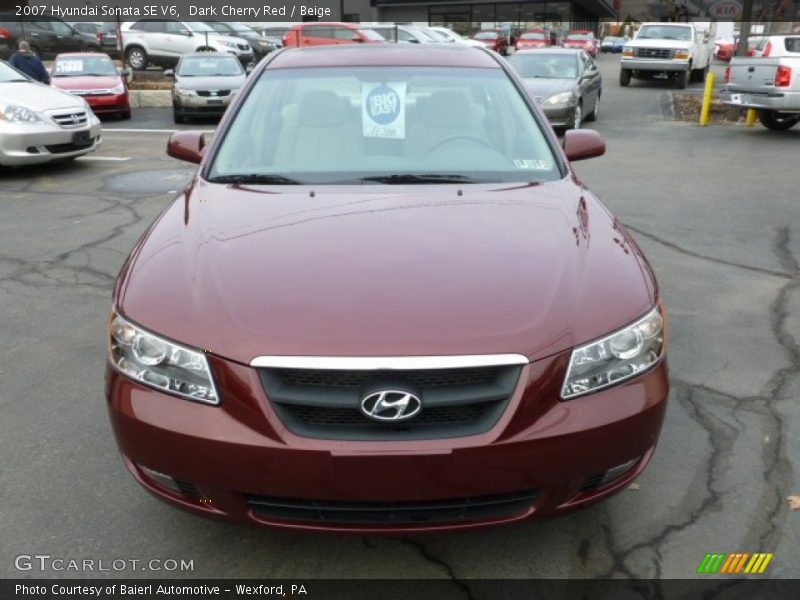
{"x":781,"y":102}
{"x":559,"y":115}
{"x":44,"y":142}
{"x":201,"y":105}
{"x":108,"y":104}
{"x":552,"y":452}
{"x":645,"y":64}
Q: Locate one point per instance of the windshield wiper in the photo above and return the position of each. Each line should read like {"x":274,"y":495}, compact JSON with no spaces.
{"x":420,"y":178}
{"x":254,"y":178}
{"x":14,"y":80}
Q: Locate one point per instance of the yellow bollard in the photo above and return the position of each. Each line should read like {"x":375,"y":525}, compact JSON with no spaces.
{"x":706,"y":110}
{"x":751,"y":117}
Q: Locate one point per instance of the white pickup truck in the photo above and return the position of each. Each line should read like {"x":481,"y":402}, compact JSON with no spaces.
{"x":769,"y":83}
{"x":682,"y":51}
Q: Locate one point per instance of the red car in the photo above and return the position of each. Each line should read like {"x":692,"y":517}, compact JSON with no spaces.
{"x":534,"y":38}
{"x":329,"y":34}
{"x":94,"y":77}
{"x":583,"y":39}
{"x":493,"y":39}
{"x":405,"y":314}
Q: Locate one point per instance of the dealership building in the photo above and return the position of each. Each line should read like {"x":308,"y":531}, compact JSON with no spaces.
{"x":467,"y":16}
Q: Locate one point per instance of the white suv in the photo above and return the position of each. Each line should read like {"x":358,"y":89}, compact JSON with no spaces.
{"x":162,"y":43}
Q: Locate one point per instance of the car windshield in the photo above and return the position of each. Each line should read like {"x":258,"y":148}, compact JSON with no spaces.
{"x":198,"y":27}
{"x":8,"y":74}
{"x":665,"y":32}
{"x":80,"y":66}
{"x":580,"y":37}
{"x":209,"y":66}
{"x":486,"y":35}
{"x":545,"y":66}
{"x":532,"y":36}
{"x":383,"y":125}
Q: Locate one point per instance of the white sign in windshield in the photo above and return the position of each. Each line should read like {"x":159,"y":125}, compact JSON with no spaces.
{"x":383,"y":112}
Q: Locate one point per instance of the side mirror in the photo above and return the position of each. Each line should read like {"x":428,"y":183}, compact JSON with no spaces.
{"x":188,"y":146}
{"x":356,"y":38}
{"x":169,"y":73}
{"x":580,"y":144}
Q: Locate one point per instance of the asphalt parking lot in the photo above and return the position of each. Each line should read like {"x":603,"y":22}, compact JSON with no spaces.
{"x":715,"y":209}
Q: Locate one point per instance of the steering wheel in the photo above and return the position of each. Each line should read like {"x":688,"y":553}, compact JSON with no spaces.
{"x":463,"y":136}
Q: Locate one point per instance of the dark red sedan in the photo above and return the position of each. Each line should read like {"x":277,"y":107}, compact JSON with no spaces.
{"x":583,"y":39}
{"x":385,"y":303}
{"x":94,"y":77}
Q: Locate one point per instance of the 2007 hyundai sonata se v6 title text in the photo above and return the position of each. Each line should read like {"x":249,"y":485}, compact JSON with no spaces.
{"x":385,"y":303}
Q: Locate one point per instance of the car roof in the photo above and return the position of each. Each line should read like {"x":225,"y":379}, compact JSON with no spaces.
{"x":390,"y":55}
{"x":557,"y":50}
{"x":81,"y":54}
{"x":326,"y":24}
{"x":207,"y":54}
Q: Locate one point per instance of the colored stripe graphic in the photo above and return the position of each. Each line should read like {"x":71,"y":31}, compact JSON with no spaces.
{"x":734,"y":563}
{"x":711,"y":563}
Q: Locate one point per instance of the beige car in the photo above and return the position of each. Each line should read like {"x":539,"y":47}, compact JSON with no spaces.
{"x":205,"y":83}
{"x":40,"y":124}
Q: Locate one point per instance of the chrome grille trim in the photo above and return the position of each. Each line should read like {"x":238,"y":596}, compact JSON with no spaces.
{"x":379,"y":363}
{"x":70,"y":120}
{"x":656,"y":53}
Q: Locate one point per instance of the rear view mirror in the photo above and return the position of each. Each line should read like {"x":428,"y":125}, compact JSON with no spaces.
{"x":188,"y":146}
{"x":580,"y":144}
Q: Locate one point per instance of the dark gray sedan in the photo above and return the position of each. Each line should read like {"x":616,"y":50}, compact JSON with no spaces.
{"x":565,"y":82}
{"x":205,"y":83}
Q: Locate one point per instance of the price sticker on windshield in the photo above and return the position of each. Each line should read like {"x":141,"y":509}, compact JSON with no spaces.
{"x":69,"y":66}
{"x":383,"y":113}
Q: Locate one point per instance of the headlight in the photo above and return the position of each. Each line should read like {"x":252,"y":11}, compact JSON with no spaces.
{"x":228,"y":44}
{"x":681,"y":55}
{"x":615,"y":358}
{"x":183,"y":92}
{"x":159,"y":363}
{"x":120,"y":89}
{"x":562,"y":98}
{"x":17,"y":114}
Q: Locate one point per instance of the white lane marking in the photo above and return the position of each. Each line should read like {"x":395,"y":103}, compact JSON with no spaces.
{"x":124,"y":130}
{"x":108,"y":158}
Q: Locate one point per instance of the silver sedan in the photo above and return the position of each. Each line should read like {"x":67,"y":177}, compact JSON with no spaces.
{"x":40,"y":124}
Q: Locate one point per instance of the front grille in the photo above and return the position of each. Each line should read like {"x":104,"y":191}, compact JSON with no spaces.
{"x":72,"y":119}
{"x":64,"y":148}
{"x":325,"y":404}
{"x":214,"y":93}
{"x":429,"y":511}
{"x":187,"y":489}
{"x":659,"y":53}
{"x":593,"y":481}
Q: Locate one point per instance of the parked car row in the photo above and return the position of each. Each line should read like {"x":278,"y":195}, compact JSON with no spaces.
{"x":47,"y":36}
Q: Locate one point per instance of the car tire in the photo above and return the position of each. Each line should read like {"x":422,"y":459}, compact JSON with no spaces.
{"x":92,"y":48}
{"x":577,"y":117}
{"x":777,"y":121}
{"x":592,"y":116}
{"x":682,"y":79}
{"x":624,"y":77}
{"x":136,"y":57}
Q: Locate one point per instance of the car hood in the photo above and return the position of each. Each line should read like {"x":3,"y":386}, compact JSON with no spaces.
{"x":38,"y":96}
{"x":543,"y":88}
{"x":86,"y":83}
{"x":224,"y":82}
{"x":385,"y":271}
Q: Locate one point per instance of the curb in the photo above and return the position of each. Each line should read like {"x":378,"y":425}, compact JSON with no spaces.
{"x":150,"y":98}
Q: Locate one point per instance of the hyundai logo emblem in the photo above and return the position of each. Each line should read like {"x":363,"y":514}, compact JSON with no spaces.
{"x":390,"y":405}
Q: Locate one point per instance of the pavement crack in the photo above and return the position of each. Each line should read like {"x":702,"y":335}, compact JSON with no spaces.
{"x":720,"y":261}
{"x":433,"y":559}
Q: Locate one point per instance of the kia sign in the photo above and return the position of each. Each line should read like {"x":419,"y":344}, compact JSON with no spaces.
{"x":725,"y":10}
